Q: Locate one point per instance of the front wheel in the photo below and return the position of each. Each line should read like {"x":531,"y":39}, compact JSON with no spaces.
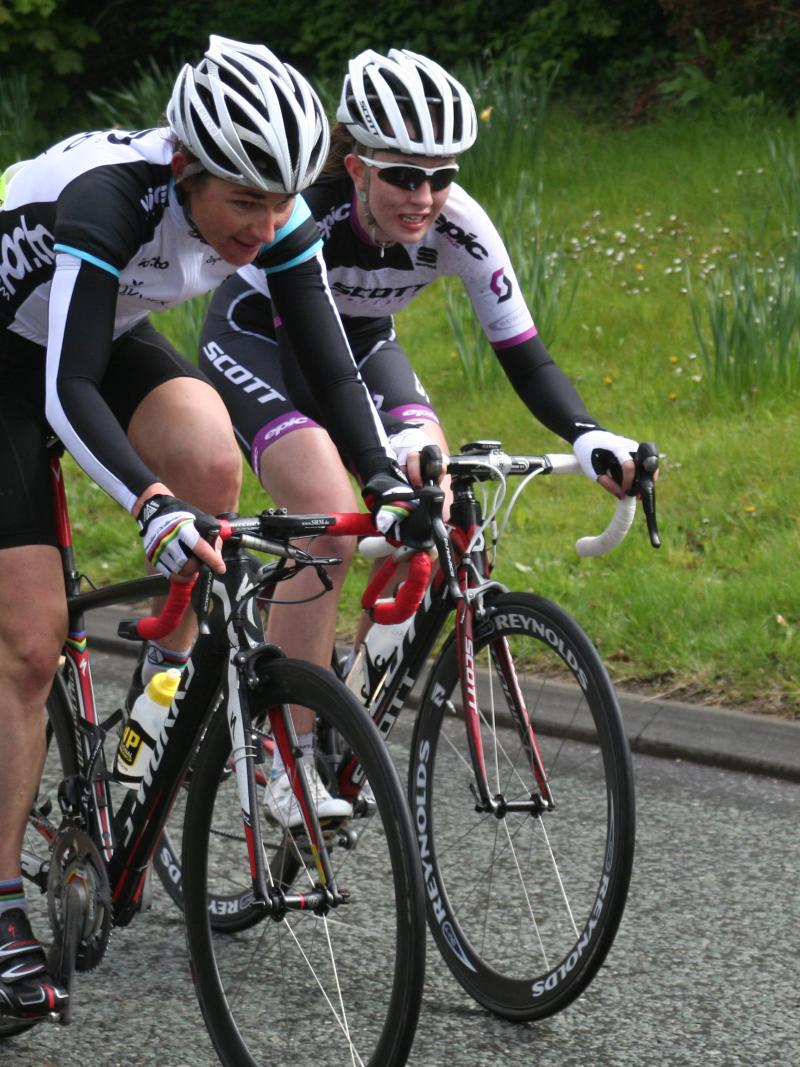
{"x":304,"y":984}
{"x":524,"y":902}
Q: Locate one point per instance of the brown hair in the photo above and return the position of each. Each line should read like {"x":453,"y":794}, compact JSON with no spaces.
{"x":342,"y":144}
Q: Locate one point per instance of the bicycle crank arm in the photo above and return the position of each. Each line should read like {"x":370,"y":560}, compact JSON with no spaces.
{"x":35,"y":869}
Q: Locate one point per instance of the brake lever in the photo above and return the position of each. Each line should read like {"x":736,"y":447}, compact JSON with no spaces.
{"x":205,"y":584}
{"x":431,"y":466}
{"x":644,"y":486}
{"x":445,"y":550}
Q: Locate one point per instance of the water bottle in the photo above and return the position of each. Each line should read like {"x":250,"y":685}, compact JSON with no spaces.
{"x":376,"y":655}
{"x":143,"y":727}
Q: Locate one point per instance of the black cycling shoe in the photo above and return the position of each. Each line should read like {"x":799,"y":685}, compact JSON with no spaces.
{"x":27,"y":989}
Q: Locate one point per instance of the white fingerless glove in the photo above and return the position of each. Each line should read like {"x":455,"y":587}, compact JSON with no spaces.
{"x":409,"y":439}
{"x":602,"y":452}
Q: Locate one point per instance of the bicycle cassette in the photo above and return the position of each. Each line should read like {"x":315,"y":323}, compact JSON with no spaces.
{"x":78,"y":880}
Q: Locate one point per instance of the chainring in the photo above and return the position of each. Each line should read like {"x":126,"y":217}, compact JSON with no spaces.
{"x":75,"y":857}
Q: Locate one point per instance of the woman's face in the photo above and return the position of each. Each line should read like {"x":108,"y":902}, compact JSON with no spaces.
{"x":234,"y":219}
{"x":402,"y":215}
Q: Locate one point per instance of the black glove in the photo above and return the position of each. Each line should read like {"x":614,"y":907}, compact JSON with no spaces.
{"x":390,"y":498}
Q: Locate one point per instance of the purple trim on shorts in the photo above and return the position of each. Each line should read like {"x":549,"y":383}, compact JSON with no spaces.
{"x":409,"y":412}
{"x":276,"y":429}
{"x":532,"y":332}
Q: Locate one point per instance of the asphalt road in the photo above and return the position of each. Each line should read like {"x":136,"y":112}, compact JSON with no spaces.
{"x":704,"y":969}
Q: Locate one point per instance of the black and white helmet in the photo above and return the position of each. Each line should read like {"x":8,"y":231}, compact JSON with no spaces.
{"x":249,"y":118}
{"x":404,"y":102}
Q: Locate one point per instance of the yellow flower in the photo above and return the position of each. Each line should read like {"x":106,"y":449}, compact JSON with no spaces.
{"x":639,"y":267}
{"x":672,"y":396}
{"x":749,"y":509}
{"x":608,"y":379}
{"x":486,"y":114}
{"x":673,"y":359}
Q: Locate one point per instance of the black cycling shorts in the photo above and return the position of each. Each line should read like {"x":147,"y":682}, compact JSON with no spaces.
{"x":250,"y":363}
{"x":141,"y":360}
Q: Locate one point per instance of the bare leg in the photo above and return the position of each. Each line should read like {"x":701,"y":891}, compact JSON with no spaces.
{"x":183,"y":432}
{"x":32,"y":631}
{"x":303,"y":473}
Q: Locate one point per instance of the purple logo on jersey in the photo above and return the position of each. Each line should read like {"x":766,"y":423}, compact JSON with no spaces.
{"x":501,"y":286}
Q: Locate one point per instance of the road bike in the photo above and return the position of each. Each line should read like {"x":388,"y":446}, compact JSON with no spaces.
{"x":335,"y":930}
{"x":519,"y":778}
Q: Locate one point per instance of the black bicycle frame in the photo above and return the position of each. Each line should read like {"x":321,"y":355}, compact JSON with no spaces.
{"x":128,"y":840}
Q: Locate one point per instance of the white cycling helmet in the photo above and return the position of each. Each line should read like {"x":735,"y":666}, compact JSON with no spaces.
{"x":404,"y":102}
{"x":249,"y":118}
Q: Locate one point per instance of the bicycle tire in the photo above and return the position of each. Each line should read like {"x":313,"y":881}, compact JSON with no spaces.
{"x":525,"y":907}
{"x":366,"y":993}
{"x":61,"y":760}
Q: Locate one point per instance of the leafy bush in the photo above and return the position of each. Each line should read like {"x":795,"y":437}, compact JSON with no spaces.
{"x":21,"y":133}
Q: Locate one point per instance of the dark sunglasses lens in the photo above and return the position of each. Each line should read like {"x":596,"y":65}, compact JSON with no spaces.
{"x":410,"y":178}
{"x":442,"y":179}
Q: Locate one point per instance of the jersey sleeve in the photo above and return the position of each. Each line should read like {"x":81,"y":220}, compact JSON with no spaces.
{"x":489,"y":277}
{"x":100,"y":216}
{"x":306,"y":311}
{"x":297,"y":241}
{"x":506,"y":320}
{"x":81,"y":322}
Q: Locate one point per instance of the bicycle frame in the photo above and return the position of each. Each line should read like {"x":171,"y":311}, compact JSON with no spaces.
{"x":472,"y":570}
{"x":127,"y":839}
{"x":470,"y":581}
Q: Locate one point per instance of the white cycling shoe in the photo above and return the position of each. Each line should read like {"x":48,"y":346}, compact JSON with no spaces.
{"x":281,"y":804}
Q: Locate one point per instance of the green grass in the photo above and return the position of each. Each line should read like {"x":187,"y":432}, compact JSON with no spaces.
{"x":715,"y":614}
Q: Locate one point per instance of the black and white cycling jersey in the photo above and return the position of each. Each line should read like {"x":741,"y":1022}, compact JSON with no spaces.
{"x":93,"y":236}
{"x":369,"y":281}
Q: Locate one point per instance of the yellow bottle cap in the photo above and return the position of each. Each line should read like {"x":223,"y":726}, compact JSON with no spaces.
{"x":163,"y":686}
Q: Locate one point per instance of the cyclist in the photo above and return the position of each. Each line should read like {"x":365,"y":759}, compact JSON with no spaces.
{"x":94,"y":233}
{"x":393,"y":220}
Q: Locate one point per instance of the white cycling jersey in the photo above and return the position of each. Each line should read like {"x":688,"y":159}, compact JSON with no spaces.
{"x":370,"y":281}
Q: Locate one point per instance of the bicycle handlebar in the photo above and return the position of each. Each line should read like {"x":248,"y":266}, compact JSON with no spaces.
{"x":485,"y":461}
{"x":271,"y":531}
{"x":154,"y":627}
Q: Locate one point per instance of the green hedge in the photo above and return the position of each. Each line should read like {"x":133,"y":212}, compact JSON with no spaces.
{"x":622,"y":56}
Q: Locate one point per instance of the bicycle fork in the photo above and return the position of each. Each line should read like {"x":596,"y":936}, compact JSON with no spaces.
{"x":247,"y":751}
{"x":503,"y":664}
